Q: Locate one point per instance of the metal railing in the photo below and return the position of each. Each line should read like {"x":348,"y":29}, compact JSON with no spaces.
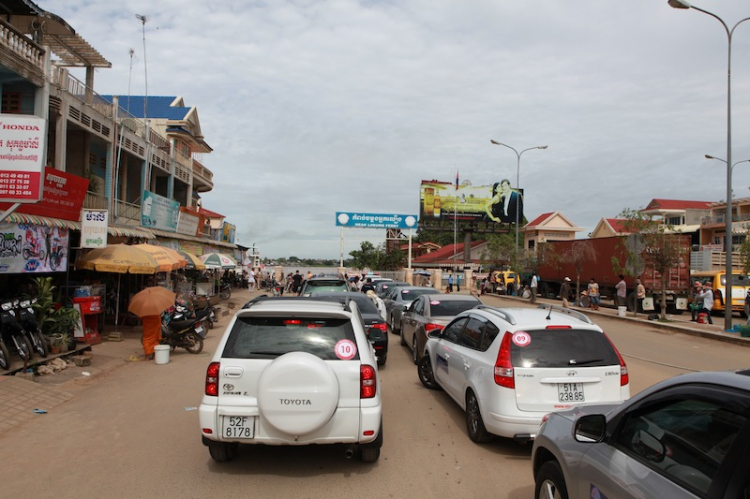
{"x":20,"y":44}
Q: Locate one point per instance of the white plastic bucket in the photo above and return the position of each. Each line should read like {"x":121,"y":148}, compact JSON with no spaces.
{"x":161,"y":354}
{"x":621,"y":311}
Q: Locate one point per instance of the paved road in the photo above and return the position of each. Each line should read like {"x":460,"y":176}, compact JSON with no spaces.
{"x":133,"y":433}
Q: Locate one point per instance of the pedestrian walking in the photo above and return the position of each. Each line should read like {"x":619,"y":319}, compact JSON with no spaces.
{"x":450,"y":283}
{"x":640,"y":294}
{"x":251,"y":280}
{"x":593,"y":292}
{"x":622,"y":291}
{"x":533,"y":286}
{"x":565,"y":292}
{"x":379,"y":303}
{"x":368,"y":286}
{"x":297,"y":282}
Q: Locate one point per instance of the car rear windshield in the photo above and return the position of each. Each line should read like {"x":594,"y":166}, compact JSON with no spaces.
{"x":411,"y":294}
{"x":333,"y":283}
{"x":270,"y":337}
{"x":450,"y":307}
{"x":564,"y":348}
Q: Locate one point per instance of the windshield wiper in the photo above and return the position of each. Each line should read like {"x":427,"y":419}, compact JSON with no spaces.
{"x":574,"y":362}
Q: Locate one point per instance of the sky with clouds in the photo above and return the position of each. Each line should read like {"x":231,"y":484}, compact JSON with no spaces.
{"x":314,"y":107}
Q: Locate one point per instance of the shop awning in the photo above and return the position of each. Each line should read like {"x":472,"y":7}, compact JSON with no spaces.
{"x":22,"y":218}
{"x":127,"y":231}
{"x":184,"y":237}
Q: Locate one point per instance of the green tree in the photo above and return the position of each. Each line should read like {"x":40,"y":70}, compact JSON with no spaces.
{"x":366,"y":257}
{"x":500,"y":250}
{"x":662,"y":248}
{"x":579,"y":254}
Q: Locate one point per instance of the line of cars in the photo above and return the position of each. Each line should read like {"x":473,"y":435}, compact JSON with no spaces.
{"x":552,"y":376}
{"x":548,"y":374}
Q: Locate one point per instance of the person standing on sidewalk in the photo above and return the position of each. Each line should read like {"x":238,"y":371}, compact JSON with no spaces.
{"x":640,"y":294}
{"x":533,"y":286}
{"x":622,"y":291}
{"x":565,"y":292}
{"x":450,"y":283}
{"x":593,"y":291}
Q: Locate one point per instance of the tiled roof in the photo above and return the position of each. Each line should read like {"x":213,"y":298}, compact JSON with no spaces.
{"x":158,"y":106}
{"x":445,"y":253}
{"x":677,"y":204}
{"x":617,"y":224}
{"x":538,"y":220}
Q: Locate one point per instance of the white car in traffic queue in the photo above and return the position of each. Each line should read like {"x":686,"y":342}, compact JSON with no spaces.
{"x":508,"y":368}
{"x":293,"y":371}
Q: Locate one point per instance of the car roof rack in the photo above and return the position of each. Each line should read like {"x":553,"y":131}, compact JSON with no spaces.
{"x":499,"y":312}
{"x":573,"y":313}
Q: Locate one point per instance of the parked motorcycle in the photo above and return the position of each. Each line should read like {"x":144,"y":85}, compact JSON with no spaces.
{"x":4,"y":355}
{"x":205,"y":311}
{"x":185,"y":334}
{"x":27,"y":319}
{"x":12,"y":332}
{"x":226,"y":291}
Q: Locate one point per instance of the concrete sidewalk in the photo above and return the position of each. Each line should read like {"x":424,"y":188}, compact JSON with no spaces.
{"x":19,"y":397}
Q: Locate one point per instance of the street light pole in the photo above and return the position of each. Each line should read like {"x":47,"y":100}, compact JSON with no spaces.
{"x":518,"y":176}
{"x":683,"y":4}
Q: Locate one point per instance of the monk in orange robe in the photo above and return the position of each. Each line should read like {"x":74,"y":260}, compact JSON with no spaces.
{"x":151,"y":334}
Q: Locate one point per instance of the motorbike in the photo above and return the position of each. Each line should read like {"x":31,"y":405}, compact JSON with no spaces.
{"x":12,"y":332}
{"x":226,"y":291}
{"x":27,"y":319}
{"x":186,"y":333}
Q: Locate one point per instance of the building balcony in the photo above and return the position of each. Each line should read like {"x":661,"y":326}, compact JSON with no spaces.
{"x":125,"y":213}
{"x":20,"y":54}
{"x":202,"y":177}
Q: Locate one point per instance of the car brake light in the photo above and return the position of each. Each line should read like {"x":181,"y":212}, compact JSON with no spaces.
{"x":212,"y":379}
{"x":558,"y":327}
{"x":624,"y":376}
{"x":367,"y":382}
{"x":503,"y":367}
{"x":428,"y":328}
{"x":291,"y":322}
{"x":382,"y":326}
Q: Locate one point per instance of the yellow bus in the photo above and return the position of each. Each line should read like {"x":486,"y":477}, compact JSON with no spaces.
{"x":717,"y":280}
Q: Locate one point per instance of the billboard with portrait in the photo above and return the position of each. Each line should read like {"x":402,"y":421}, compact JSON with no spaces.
{"x":478,"y":208}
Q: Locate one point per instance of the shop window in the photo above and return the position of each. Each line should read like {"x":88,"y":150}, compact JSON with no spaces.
{"x":11,"y":103}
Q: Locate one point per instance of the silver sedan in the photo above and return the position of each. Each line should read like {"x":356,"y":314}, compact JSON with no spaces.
{"x":688,"y":436}
{"x":431,"y":312}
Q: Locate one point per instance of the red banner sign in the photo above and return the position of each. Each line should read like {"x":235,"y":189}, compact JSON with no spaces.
{"x":63,"y":196}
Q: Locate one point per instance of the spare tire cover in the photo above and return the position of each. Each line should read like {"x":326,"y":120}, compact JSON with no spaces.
{"x":297,"y":393}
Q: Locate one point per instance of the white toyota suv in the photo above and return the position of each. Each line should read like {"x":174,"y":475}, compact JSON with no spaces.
{"x":293,"y":371}
{"x":510,"y":367}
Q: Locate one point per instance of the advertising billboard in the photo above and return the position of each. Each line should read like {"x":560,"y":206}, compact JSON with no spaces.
{"x":63,"y":196}
{"x":159,"y":212}
{"x":21,"y":158}
{"x":26,"y":248}
{"x":478,"y":208}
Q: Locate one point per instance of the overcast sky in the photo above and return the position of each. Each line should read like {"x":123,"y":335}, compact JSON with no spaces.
{"x":314,"y":107}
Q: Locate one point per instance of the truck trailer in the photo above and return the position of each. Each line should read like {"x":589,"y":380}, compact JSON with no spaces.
{"x":552,"y":275}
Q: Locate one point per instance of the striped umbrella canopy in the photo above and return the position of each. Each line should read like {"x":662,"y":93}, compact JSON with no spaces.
{"x":168,"y":258}
{"x":120,"y":259}
{"x":218,"y":261}
{"x":193,"y":262}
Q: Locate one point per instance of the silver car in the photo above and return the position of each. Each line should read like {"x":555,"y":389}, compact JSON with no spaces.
{"x":398,"y":300}
{"x":429,"y":313}
{"x":687,"y":436}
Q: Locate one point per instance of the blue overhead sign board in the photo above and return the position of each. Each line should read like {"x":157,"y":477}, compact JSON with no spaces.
{"x":376,"y":220}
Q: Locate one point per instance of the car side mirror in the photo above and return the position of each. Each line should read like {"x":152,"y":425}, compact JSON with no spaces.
{"x":590,"y":428}
{"x":435,"y":333}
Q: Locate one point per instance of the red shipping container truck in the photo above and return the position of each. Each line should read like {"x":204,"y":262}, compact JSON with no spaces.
{"x":677,"y":283}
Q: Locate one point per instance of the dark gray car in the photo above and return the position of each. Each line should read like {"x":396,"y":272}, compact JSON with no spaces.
{"x":688,"y":436}
{"x":398,"y":300}
{"x":428,"y":313}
